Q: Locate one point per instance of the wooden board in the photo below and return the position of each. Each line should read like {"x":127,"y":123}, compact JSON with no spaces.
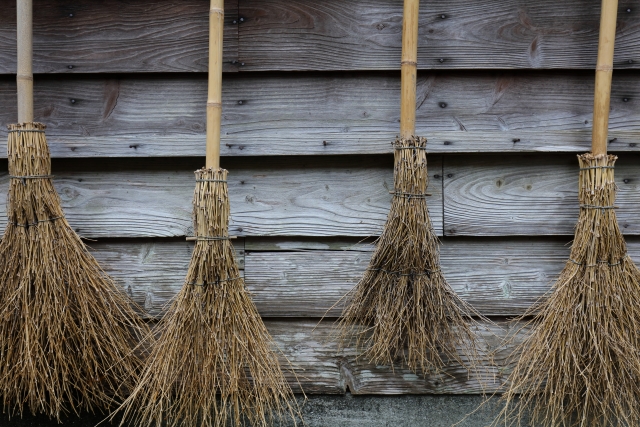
{"x":329,"y":113}
{"x":298,"y":279}
{"x":366,"y":34}
{"x":164,"y":36}
{"x":307,"y":197}
{"x":322,"y":368}
{"x":151,"y":271}
{"x":115,"y":36}
{"x":535,"y":195}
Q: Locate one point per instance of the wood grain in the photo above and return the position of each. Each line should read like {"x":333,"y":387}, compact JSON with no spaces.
{"x":535,"y":195}
{"x":309,"y":197}
{"x":325,"y":114}
{"x":366,"y":34}
{"x":499,"y":277}
{"x":322,"y":368}
{"x":117,"y":36}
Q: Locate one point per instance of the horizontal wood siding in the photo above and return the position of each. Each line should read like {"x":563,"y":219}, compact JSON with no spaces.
{"x":325,"y":114}
{"x":163,"y":36}
{"x":499,"y":276}
{"x":311,"y":96}
{"x":333,"y":196}
{"x":116,"y":36}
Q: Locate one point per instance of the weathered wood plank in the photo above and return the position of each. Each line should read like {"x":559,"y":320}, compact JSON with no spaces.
{"x":499,"y":277}
{"x":515,"y":195}
{"x":151,"y":271}
{"x":366,"y":34}
{"x":329,"y":114}
{"x":163,"y":36}
{"x":322,"y":368}
{"x":116,"y":36}
{"x":310,"y":197}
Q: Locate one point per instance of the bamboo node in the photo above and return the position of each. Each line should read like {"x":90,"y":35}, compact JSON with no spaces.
{"x":604,"y":68}
{"x":412,"y":63}
{"x":28,"y":77}
{"x":214,"y":104}
{"x":216,"y":10}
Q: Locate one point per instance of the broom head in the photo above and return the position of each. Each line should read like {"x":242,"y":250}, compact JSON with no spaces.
{"x":403,"y":309}
{"x":67,"y":331}
{"x":213,"y":363}
{"x":581,"y":364}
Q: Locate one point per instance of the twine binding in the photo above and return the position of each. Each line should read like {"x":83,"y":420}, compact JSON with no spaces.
{"x":410,"y":195}
{"x":217,"y":282}
{"x":602,"y":261}
{"x":31,"y":224}
{"x":210,"y":238}
{"x":211,"y":180}
{"x":597,"y":167}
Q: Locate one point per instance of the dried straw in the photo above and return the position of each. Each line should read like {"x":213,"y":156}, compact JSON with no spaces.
{"x":581,"y":364}
{"x":66,"y":329}
{"x":410,"y":311}
{"x":212,"y":364}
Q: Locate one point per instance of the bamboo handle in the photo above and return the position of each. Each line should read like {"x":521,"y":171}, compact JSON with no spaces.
{"x":409,"y":66}
{"x":214,"y":97}
{"x":604,"y":71}
{"x":24,"y":77}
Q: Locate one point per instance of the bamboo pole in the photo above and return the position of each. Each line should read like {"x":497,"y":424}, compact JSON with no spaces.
{"x":604,"y":71}
{"x":214,"y":98}
{"x":409,"y":66}
{"x":24,"y":77}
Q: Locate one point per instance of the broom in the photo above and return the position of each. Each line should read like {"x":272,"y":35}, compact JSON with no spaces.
{"x":403,"y":307}
{"x":67,"y":331}
{"x":581,"y":364}
{"x":212,"y":364}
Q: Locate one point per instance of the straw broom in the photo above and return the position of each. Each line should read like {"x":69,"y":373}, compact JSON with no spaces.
{"x":581,"y":364}
{"x":67,"y":331}
{"x":212,"y":364}
{"x":403,"y":308}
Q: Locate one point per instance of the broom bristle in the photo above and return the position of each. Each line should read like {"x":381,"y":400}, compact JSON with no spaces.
{"x":581,"y":364}
{"x":403,"y":308}
{"x":67,"y":331}
{"x":213,"y":363}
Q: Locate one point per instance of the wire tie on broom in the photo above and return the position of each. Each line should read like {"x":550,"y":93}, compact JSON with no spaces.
{"x":25,"y":177}
{"x":603,"y":208}
{"x":397,"y":273}
{"x":410,"y":195}
{"x":410,"y":148}
{"x":213,"y":283}
{"x":597,"y":167}
{"x":602,"y":261}
{"x":210,"y":180}
{"x":37,"y":222}
{"x":210,"y":238}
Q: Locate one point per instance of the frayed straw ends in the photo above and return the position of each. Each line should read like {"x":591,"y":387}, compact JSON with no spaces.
{"x":67,"y":331}
{"x":212,"y":364}
{"x":581,"y":364}
{"x":403,"y":308}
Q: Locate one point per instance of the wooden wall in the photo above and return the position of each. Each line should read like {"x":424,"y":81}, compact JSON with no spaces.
{"x":311,"y":105}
